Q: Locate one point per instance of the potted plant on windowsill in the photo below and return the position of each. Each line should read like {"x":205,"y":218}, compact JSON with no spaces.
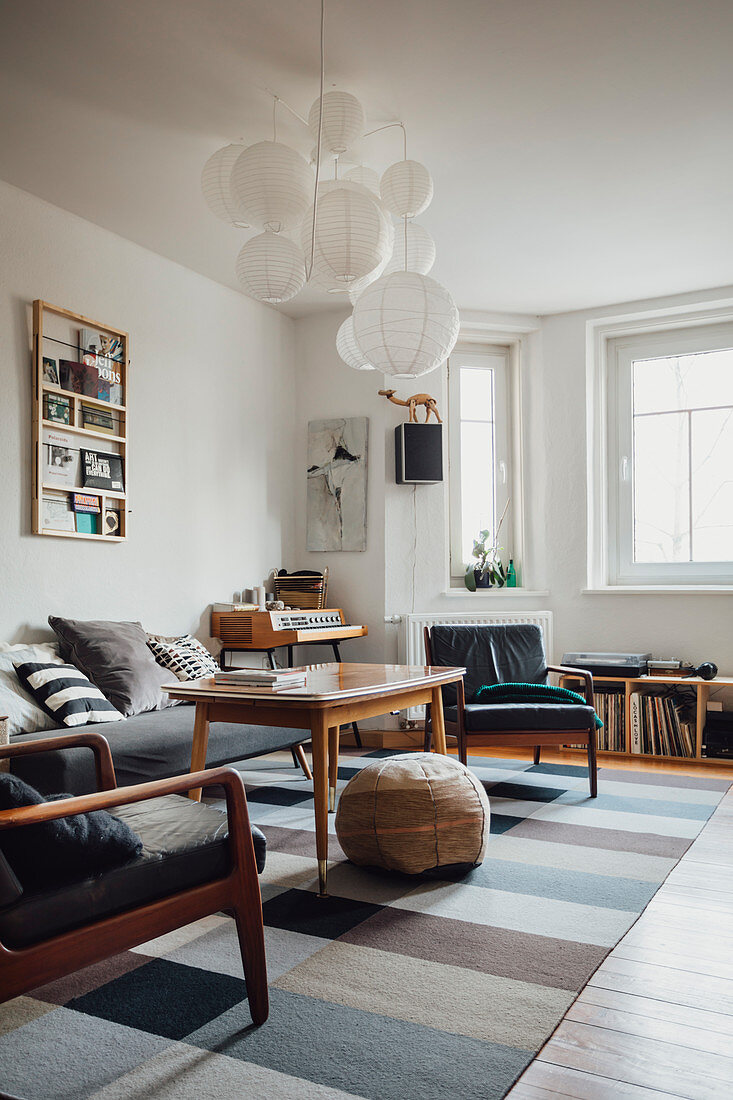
{"x":486,"y":571}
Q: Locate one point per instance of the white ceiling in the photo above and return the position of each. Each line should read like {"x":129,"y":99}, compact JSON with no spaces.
{"x":581,"y":149}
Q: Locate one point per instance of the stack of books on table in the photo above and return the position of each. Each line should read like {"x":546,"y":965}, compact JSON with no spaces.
{"x":274,"y":680}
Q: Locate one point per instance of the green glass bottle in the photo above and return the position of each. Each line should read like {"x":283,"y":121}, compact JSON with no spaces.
{"x":511,"y":575}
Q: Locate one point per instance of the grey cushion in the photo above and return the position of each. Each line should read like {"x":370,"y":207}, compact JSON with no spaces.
{"x":65,"y":848}
{"x":115,"y":657}
{"x":511,"y":653}
{"x":148,"y":746}
{"x":485,"y":717}
{"x":185,"y":843}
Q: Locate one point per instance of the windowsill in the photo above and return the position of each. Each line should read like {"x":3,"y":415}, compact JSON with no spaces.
{"x":493,"y":593}
{"x":657,"y":589}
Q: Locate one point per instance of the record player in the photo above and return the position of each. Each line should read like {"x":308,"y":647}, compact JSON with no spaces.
{"x":625,"y":666}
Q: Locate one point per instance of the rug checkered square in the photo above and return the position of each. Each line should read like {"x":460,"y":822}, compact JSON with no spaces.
{"x":394,"y":988}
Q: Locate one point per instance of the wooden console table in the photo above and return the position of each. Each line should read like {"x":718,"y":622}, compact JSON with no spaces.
{"x":334,"y":694}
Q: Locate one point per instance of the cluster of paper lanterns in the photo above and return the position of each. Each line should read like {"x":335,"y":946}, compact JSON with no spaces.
{"x":343,"y":238}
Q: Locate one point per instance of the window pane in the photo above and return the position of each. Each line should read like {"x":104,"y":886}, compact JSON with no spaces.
{"x":477,"y":483}
{"x":712,"y":485}
{"x":477,"y":393}
{"x":683,"y":382}
{"x":661,"y":488}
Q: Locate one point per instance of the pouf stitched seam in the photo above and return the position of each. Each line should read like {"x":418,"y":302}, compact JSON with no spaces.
{"x":435,"y":813}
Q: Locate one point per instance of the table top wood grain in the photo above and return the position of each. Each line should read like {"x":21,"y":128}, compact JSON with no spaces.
{"x":325,"y":683}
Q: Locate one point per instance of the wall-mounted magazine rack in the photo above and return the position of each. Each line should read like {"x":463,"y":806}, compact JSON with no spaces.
{"x":80,"y":425}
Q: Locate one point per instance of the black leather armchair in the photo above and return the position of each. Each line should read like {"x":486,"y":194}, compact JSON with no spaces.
{"x":195,"y":861}
{"x":510,"y":653}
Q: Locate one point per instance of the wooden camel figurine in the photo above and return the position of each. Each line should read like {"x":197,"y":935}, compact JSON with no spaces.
{"x":431,"y":405}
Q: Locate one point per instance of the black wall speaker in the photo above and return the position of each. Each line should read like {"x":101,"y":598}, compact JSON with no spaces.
{"x":418,"y":453}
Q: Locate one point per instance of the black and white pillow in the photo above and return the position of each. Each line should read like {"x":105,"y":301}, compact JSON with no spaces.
{"x":185,"y":656}
{"x":66,"y":694}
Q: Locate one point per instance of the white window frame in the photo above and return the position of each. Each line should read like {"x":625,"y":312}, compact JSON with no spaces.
{"x":498,"y":358}
{"x":612,"y":344}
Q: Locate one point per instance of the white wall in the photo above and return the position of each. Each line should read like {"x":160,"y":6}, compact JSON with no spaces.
{"x":212,"y":409}
{"x":693,"y":627}
{"x":325,"y":387}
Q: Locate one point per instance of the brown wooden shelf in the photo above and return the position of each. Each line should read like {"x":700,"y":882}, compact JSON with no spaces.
{"x":53,"y":323}
{"x":84,"y":489}
{"x":702,"y":689}
{"x":84,"y":431}
{"x":82,"y":535}
{"x":48,"y":387}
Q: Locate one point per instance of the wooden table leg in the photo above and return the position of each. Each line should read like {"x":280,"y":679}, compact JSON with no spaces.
{"x":200,"y":744}
{"x":437,"y":723}
{"x":333,"y":766}
{"x":319,"y":738}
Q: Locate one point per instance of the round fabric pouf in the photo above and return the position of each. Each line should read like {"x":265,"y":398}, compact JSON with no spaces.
{"x":414,"y":813}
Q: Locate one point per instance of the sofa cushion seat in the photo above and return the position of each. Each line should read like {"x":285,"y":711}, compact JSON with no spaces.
{"x":487,"y":717}
{"x":153,"y":745}
{"x":185,"y":844}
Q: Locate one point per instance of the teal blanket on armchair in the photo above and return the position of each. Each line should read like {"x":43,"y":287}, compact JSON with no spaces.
{"x":529,"y":693}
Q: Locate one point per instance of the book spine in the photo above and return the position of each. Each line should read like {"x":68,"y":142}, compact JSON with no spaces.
{"x":635,"y":722}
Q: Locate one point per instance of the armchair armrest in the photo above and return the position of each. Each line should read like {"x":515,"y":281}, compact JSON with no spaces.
{"x":106,"y":800}
{"x":578,"y":674}
{"x":240,"y":835}
{"x":104,"y":767}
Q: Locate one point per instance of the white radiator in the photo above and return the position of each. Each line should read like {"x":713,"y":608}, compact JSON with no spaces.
{"x":412,"y":646}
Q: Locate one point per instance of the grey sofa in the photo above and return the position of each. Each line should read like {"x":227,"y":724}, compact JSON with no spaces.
{"x":153,"y":745}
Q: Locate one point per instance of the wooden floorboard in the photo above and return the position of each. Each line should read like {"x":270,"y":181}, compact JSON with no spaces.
{"x":656,"y":1019}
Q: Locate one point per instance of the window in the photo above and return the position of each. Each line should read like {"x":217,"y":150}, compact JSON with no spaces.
{"x":670,"y":460}
{"x":480,"y":450}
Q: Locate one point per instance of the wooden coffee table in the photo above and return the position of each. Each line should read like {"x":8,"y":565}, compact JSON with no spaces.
{"x":333,"y":695}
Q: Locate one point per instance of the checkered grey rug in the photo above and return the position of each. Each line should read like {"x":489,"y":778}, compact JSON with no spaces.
{"x":393,"y":989}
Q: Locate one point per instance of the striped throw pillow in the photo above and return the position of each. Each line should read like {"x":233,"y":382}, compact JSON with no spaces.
{"x":66,"y":694}
{"x":185,"y":656}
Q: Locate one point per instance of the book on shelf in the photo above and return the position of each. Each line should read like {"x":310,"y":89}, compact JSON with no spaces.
{"x":85,"y":502}
{"x":94,"y":376}
{"x":81,"y":378}
{"x":102,"y":471}
{"x":635,"y":718}
{"x":104,"y":353}
{"x":50,"y":371}
{"x":98,"y":420}
{"x":60,"y":459}
{"x":609,"y":706}
{"x":56,"y":407}
{"x":56,"y":515}
{"x":87,"y":523}
{"x":663,"y":726}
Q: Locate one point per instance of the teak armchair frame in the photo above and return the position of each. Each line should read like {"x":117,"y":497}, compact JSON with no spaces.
{"x":534,"y":737}
{"x":29,"y":967}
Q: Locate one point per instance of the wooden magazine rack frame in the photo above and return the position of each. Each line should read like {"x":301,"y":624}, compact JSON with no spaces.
{"x":46,"y":318}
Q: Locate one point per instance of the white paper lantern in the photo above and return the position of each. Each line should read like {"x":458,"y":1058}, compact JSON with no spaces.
{"x":343,"y":121}
{"x":348,"y":348}
{"x":367,"y":177}
{"x":405,"y":324}
{"x":420,"y":250}
{"x":406,"y":188}
{"x":273,"y":185}
{"x":271,"y":268}
{"x":360,"y":285}
{"x":352,"y":235}
{"x":216,"y":184}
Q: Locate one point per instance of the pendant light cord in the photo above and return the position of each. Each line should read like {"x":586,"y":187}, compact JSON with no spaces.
{"x":390,"y":126}
{"x":309,"y":268}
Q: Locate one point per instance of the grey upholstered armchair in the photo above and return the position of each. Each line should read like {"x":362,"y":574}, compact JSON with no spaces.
{"x":509,"y":653}
{"x":194,"y":861}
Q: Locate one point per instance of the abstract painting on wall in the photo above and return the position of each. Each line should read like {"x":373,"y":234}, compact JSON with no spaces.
{"x":337,"y":484}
